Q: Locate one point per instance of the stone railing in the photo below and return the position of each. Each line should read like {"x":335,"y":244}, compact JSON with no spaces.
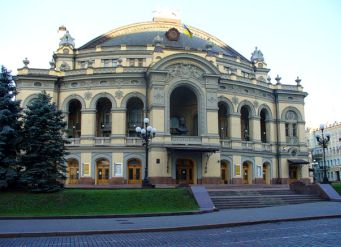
{"x":102,"y":140}
{"x":248,"y":145}
{"x":292,"y":140}
{"x":73,"y":141}
{"x":133,"y":141}
{"x":186,"y":140}
{"x":266,"y":147}
{"x":226,"y":143}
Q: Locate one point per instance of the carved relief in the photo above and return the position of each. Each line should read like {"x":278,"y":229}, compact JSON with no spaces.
{"x":87,"y":95}
{"x":235,"y":100}
{"x":158,"y":97}
{"x":212,"y":100}
{"x":119,"y":94}
{"x":183,"y":70}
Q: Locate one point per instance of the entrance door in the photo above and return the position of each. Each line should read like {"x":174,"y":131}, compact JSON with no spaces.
{"x":102,"y":172}
{"x":134,"y":171}
{"x":72,"y":171}
{"x":224,"y":172}
{"x":266,"y":173}
{"x":184,"y":171}
{"x":338,"y":176}
{"x":293,"y":173}
{"x":134,"y":174}
{"x":246,"y":174}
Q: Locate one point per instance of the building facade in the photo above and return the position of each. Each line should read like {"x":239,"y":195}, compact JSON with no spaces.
{"x":332,"y":153}
{"x":218,"y":116}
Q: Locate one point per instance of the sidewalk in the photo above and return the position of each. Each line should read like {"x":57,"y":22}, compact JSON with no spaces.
{"x":223,"y":218}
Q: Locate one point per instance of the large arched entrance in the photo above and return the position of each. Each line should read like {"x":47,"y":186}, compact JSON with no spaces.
{"x":247,"y":173}
{"x":72,"y":171}
{"x":134,"y":115}
{"x":185,"y":171}
{"x":266,"y":173}
{"x":183,"y":112}
{"x":225,"y":169}
{"x":134,"y":171}
{"x":102,"y":171}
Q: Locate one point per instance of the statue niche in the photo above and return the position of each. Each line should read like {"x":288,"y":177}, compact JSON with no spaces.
{"x":178,"y":126}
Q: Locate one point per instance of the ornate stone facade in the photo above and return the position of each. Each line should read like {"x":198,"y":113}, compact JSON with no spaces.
{"x":219,"y":119}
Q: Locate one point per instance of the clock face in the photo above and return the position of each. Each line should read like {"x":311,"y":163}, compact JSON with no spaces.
{"x":172,"y":34}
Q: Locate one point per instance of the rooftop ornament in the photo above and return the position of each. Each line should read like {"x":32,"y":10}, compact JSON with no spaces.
{"x":67,"y":40}
{"x":26,"y":62}
{"x":278,"y":79}
{"x":298,"y":81}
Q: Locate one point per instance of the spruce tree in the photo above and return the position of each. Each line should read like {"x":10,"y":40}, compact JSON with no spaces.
{"x":44,"y":146}
{"x":10,"y":131}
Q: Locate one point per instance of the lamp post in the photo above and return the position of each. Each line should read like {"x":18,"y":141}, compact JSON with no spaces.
{"x":147,"y":133}
{"x":323,"y":141}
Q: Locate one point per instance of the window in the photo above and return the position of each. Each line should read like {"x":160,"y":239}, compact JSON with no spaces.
{"x":115,"y":62}
{"x":140,"y":62}
{"x":106,"y":62}
{"x":82,"y":64}
{"x":244,"y":122}
{"x":131,"y":62}
{"x":291,"y":132}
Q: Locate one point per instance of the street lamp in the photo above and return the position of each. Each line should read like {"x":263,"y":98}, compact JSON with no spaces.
{"x":323,"y":142}
{"x":146,"y":134}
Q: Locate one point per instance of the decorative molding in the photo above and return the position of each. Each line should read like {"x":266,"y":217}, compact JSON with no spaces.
{"x":119,"y":94}
{"x":184,"y":70}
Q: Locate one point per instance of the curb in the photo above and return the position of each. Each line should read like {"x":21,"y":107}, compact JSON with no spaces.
{"x":166,"y":229}
{"x":106,"y":215}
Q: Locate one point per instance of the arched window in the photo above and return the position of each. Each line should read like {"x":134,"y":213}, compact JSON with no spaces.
{"x":103,"y":117}
{"x":291,"y":134}
{"x":74,"y":119}
{"x":223,"y":120}
{"x":134,"y":115}
{"x":263,"y":125}
{"x":244,"y":123}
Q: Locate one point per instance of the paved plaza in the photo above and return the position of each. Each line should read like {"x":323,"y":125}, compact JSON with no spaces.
{"x":323,"y":232}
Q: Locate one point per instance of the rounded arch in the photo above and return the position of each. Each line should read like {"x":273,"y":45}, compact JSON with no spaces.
{"x":127,"y":97}
{"x":28,"y":99}
{"x":247,"y":160}
{"x":73,"y":156}
{"x":249,"y":105}
{"x":294,"y":109}
{"x":202,"y":63}
{"x":67,"y":100}
{"x":268,"y":110}
{"x":267,"y":161}
{"x":103,"y":95}
{"x":228,"y":102}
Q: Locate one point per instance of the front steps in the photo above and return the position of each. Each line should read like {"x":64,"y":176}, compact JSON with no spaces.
{"x":254,"y":196}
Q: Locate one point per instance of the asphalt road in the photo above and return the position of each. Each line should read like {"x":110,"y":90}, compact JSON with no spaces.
{"x":325,"y":232}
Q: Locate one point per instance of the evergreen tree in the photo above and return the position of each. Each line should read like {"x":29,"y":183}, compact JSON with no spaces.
{"x":10,"y":131}
{"x":44,"y":146}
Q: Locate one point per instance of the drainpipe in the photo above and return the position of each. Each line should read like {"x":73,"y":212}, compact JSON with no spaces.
{"x":58,"y":82}
{"x":278,"y":155}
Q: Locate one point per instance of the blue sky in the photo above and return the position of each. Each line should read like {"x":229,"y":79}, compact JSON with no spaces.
{"x":297,"y":37}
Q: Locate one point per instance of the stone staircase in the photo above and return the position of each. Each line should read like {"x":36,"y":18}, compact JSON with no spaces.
{"x":253,"y":196}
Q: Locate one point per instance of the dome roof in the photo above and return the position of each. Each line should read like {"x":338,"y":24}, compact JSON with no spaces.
{"x":142,"y":34}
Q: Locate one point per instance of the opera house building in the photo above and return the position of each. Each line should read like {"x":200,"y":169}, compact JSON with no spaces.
{"x":219,"y":117}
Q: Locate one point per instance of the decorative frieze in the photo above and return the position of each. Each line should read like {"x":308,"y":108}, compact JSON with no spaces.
{"x":184,"y":70}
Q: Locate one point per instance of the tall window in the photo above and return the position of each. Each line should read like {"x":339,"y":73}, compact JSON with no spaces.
{"x":74,"y":119}
{"x":223,"y":120}
{"x":263,"y":130}
{"x":134,"y":115}
{"x":103,"y":117}
{"x":244,"y":123}
{"x":291,"y":134}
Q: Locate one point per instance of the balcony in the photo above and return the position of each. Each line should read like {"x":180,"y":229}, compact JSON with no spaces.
{"x":102,"y":140}
{"x":73,"y":141}
{"x":266,"y":147}
{"x":292,"y":140}
{"x":186,"y":140}
{"x":105,"y":126}
{"x":248,"y":145}
{"x":133,"y":141}
{"x":224,"y":143}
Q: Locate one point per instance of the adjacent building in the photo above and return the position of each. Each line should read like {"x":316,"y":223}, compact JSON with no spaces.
{"x":332,"y":152}
{"x":219,"y":116}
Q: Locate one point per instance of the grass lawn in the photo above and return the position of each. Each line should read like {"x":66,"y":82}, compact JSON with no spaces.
{"x":337,"y":187}
{"x":96,"y":202}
